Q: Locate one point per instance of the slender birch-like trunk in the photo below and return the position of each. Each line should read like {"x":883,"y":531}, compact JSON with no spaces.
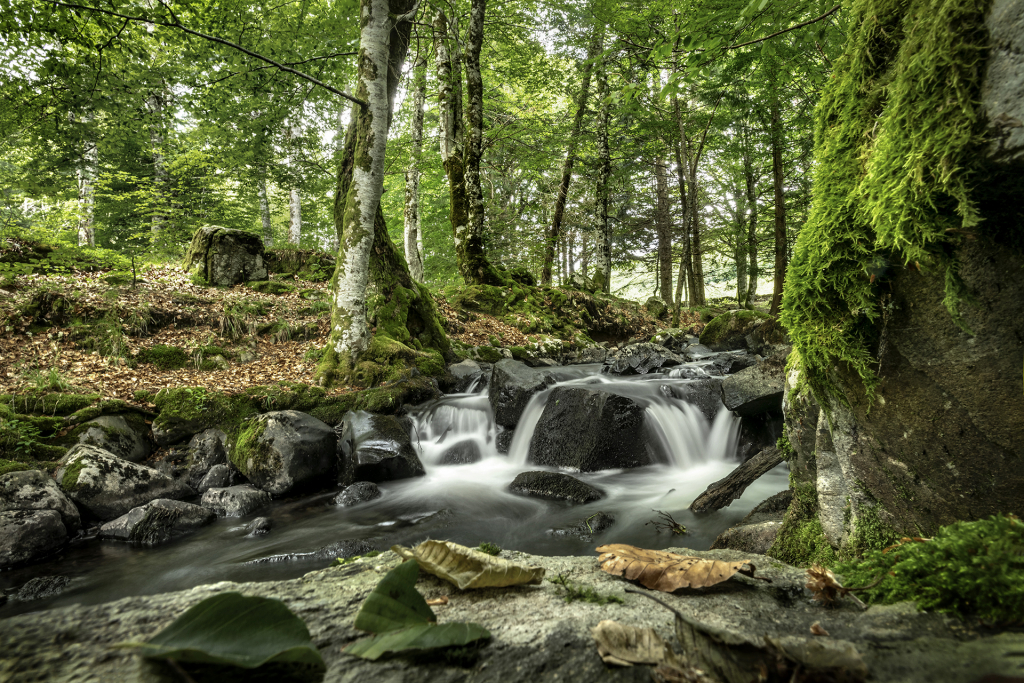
{"x":554,"y":232}
{"x":86,"y":189}
{"x":603,"y":265}
{"x":157,"y":105}
{"x":268,"y":231}
{"x":751,"y":188}
{"x":294,"y":195}
{"x":664,"y":229}
{"x":413,"y":239}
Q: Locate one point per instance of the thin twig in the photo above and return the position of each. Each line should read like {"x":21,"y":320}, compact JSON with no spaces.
{"x":181,"y":672}
{"x":205,"y":36}
{"x":787,"y":30}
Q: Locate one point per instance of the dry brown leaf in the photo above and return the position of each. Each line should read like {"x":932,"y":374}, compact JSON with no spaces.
{"x":626,"y":645}
{"x":818,"y":630}
{"x":434,"y":602}
{"x":822,"y":583}
{"x":467,"y":567}
{"x":663,"y":571}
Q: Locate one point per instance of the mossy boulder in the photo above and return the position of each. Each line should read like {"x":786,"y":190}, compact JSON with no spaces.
{"x":729,"y":331}
{"x":123,"y":435}
{"x":224,"y":257}
{"x":271,"y":287}
{"x":164,"y":357}
{"x":656,"y":307}
{"x":286,"y":451}
{"x":376,"y":448}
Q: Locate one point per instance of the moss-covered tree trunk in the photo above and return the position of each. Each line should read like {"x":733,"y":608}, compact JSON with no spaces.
{"x":603,"y":276}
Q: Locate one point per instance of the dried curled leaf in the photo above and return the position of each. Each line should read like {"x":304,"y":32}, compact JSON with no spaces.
{"x":826,"y":590}
{"x":626,"y":645}
{"x":467,"y":567}
{"x":659,"y":570}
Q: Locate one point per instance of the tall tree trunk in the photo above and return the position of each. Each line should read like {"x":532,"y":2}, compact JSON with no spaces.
{"x":157,"y":105}
{"x":603,"y":265}
{"x":413,"y":254}
{"x":383,"y":42}
{"x":778,"y":173}
{"x":596,"y":45}
{"x":86,"y":181}
{"x":753,"y":273}
{"x":294,"y":196}
{"x":570,"y":254}
{"x":739,"y":248}
{"x":268,"y":231}
{"x":685,"y":281}
{"x":664,"y":228}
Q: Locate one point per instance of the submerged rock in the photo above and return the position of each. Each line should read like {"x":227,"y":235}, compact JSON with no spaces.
{"x":554,"y":486}
{"x":115,"y":434}
{"x":462,"y":453}
{"x":341,"y":549}
{"x":588,"y":430}
{"x":359,"y":492}
{"x":512,"y":386}
{"x":235,"y":501}
{"x":106,"y":486}
{"x":286,"y":451}
{"x":157,"y":522}
{"x":376,"y":448}
{"x":259,"y":526}
{"x":585,"y":529}
{"x":640,"y":358}
{"x":41,"y":587}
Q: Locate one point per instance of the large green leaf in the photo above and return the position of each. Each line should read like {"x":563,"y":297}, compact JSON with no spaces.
{"x":403,"y":620}
{"x":236,"y":630}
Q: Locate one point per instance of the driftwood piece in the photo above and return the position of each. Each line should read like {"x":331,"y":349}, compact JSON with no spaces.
{"x":724,"y":491}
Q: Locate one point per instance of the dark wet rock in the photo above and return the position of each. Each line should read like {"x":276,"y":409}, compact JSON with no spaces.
{"x":341,"y":549}
{"x":465,"y":373}
{"x":157,"y":522}
{"x":729,"y":330}
{"x":116,"y":434}
{"x":41,"y":587}
{"x":554,"y":486}
{"x":541,"y":362}
{"x":640,"y":358}
{"x":771,"y":508}
{"x":673,"y":339}
{"x":376,"y":448}
{"x":586,"y":529}
{"x":218,"y":477}
{"x":206,"y":449}
{"x":34,"y":490}
{"x":503,"y":440}
{"x":755,"y":390}
{"x":259,"y":526}
{"x":27,"y":535}
{"x":591,"y":354}
{"x":461,"y":453}
{"x":740,"y":361}
{"x":537,"y":636}
{"x":512,"y":386}
{"x":705,"y":394}
{"x":235,"y":501}
{"x":287,"y":452}
{"x":105,"y":486}
{"x":171,"y":429}
{"x":588,"y":430}
{"x":359,"y":492}
{"x":225,"y":257}
{"x":758,"y":432}
{"x":757,"y":531}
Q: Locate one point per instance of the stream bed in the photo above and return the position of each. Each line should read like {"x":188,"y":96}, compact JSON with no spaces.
{"x":467,"y":503}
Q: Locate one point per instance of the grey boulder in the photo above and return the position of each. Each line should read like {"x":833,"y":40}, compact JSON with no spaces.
{"x":554,"y":486}
{"x":117,"y":435}
{"x":205,"y":450}
{"x":157,"y":522}
{"x":225,"y":257}
{"x":106,"y":486}
{"x":29,"y":534}
{"x":235,"y":501}
{"x":376,"y":448}
{"x":512,"y":386}
{"x":461,"y":453}
{"x":34,"y":490}
{"x":359,"y":492}
{"x":588,"y":430}
{"x":219,"y":476}
{"x":466,"y":374}
{"x":755,"y":390}
{"x":286,"y":451}
{"x":640,"y":358}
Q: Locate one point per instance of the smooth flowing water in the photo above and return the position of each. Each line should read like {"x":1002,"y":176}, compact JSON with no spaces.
{"x":466,"y":503}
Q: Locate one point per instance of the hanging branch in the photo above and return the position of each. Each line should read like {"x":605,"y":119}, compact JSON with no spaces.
{"x":787,"y":30}
{"x":214,"y":39}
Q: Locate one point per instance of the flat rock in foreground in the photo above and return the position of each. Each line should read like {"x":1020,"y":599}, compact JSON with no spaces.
{"x":536,"y":635}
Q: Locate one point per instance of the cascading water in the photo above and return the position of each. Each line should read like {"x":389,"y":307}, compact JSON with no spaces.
{"x":463,"y":497}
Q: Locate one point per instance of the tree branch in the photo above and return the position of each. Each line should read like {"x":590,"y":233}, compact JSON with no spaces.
{"x":214,"y":39}
{"x":787,"y":30}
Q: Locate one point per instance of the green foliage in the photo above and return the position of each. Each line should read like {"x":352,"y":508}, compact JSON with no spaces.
{"x":969,"y":569}
{"x":342,"y":561}
{"x":403,"y":620}
{"x":573,"y":592}
{"x":896,"y":134}
{"x":234,"y":630}
{"x":48,"y":380}
{"x":801,"y":541}
{"x":785,"y":448}
{"x":489,"y":548}
{"x":271,"y":287}
{"x":164,"y":357}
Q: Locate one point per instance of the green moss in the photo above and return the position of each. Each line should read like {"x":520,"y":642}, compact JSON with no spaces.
{"x":51,"y":403}
{"x":518,"y":352}
{"x":70,"y":479}
{"x":896,"y":135}
{"x":801,"y":541}
{"x":249,"y":454}
{"x":729,"y":323}
{"x":573,"y":592}
{"x":489,"y":548}
{"x":111,"y":406}
{"x":784,"y":446}
{"x":869,"y":533}
{"x":969,"y":569}
{"x":488,"y":354}
{"x":15,"y":466}
{"x":143,"y":395}
{"x":164,"y":357}
{"x":271,"y":287}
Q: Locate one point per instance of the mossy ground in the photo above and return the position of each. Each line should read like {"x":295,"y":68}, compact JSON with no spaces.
{"x":801,"y":541}
{"x":729,"y":323}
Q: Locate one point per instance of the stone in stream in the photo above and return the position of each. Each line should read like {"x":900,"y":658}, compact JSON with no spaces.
{"x":756,"y":532}
{"x":588,"y":429}
{"x":512,"y":386}
{"x":590,"y":354}
{"x":259,"y":526}
{"x":27,"y":535}
{"x":554,"y":486}
{"x":34,"y":490}
{"x":286,"y":451}
{"x":219,"y":476}
{"x":755,"y":390}
{"x":585,"y":529}
{"x":157,"y":522}
{"x":465,"y":374}
{"x":235,"y":501}
{"x":375,"y":448}
{"x":640,"y":358}
{"x":115,"y":434}
{"x":461,"y":453}
{"x":41,"y":587}
{"x":334,"y":551}
{"x":705,"y":394}
{"x":105,"y":486}
{"x":729,"y":330}
{"x":359,"y":492}
{"x":206,"y":450}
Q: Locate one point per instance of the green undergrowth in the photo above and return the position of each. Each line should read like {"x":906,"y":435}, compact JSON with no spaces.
{"x":271,"y":287}
{"x":489,"y":548}
{"x":164,"y":357}
{"x":968,"y":569}
{"x":896,"y":135}
{"x":800,"y":540}
{"x":573,"y":592}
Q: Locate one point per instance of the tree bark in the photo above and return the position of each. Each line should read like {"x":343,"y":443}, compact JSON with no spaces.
{"x":86,"y":188}
{"x":603,"y":265}
{"x":721,"y":493}
{"x":268,"y":231}
{"x":596,"y":45}
{"x":413,"y":253}
{"x":753,"y":273}
{"x":778,"y":173}
{"x":664,"y":228}
{"x":156,"y":141}
{"x":685,"y":280}
{"x":294,"y":196}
